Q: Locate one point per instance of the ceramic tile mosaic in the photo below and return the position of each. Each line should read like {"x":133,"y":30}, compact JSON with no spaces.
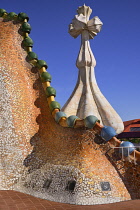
{"x":41,"y":158}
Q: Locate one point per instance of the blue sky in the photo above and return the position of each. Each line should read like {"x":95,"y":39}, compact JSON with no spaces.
{"x":116,"y":48}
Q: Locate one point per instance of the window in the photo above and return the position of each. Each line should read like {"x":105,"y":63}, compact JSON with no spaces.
{"x":135,"y":129}
{"x":47,"y":183}
{"x":71,"y":185}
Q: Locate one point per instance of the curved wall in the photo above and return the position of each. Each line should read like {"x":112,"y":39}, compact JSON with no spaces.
{"x":40,"y":157}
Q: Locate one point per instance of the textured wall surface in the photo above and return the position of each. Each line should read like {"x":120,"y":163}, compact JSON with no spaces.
{"x":38,"y":156}
{"x":18,"y":112}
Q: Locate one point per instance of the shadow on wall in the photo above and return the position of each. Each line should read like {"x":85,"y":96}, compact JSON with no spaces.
{"x":35,"y":160}
{"x":52,"y":143}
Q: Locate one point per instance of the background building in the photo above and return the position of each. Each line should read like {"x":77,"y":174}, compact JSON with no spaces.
{"x":131,"y":129}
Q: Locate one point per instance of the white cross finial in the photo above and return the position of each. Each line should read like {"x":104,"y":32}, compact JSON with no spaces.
{"x":81,"y":22}
{"x":87,"y":98}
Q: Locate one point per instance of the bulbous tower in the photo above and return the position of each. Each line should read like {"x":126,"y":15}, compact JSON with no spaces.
{"x":87,"y":98}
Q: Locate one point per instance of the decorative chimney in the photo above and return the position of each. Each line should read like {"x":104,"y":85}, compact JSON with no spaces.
{"x":87,"y":98}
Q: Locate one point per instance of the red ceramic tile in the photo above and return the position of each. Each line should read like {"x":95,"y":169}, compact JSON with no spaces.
{"x":8,"y":201}
{"x":2,"y":202}
{"x":59,"y":208}
{"x":32,"y":203}
{"x":20,"y":205}
{"x":13,"y":208}
{"x":4,"y":207}
{"x":40,"y":207}
{"x":28,"y":204}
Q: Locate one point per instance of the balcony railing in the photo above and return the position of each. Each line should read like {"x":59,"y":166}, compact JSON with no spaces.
{"x":126,"y":154}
